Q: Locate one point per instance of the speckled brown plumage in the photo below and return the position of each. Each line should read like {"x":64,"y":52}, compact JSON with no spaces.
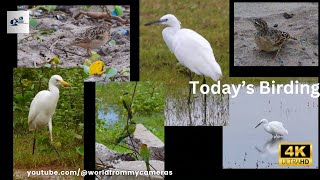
{"x":93,"y":37}
{"x":269,"y":39}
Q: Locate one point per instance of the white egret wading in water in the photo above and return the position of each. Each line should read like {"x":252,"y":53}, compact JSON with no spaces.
{"x":275,"y":128}
{"x":43,"y":107}
{"x":191,"y":49}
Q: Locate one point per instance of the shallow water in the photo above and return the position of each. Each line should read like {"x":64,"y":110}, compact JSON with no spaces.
{"x":179,"y":113}
{"x":247,"y":147}
{"x":108,"y":113}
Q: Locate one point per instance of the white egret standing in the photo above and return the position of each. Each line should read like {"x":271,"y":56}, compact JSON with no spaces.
{"x":191,"y":49}
{"x":43,"y":107}
{"x":274,"y":127}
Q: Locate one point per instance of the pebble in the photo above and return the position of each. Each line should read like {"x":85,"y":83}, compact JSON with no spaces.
{"x":288,"y":16}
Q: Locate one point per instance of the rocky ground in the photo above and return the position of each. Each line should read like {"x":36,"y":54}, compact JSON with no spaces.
{"x":56,"y":29}
{"x":303,"y":24}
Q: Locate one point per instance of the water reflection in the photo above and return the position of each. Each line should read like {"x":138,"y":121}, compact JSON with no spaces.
{"x":178,"y":112}
{"x":270,"y":147}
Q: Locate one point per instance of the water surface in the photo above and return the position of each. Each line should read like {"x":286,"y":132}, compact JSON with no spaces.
{"x":247,"y":147}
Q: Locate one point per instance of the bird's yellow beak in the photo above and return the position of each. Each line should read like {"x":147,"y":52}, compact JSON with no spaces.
{"x":64,"y":83}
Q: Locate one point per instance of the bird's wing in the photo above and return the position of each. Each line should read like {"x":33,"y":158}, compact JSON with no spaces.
{"x":38,"y":101}
{"x":278,"y":128}
{"x":195,"y":52}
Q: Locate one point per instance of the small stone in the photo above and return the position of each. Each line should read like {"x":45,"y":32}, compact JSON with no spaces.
{"x":288,"y":16}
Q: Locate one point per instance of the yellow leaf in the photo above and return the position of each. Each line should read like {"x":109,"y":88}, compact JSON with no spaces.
{"x":55,"y":60}
{"x":96,"y":68}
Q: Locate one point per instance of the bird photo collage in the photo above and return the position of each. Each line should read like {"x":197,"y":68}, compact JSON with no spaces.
{"x":161,"y":89}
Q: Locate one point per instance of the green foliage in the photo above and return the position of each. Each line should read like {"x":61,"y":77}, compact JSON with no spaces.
{"x":148,"y":107}
{"x":67,"y":120}
{"x":149,"y":97}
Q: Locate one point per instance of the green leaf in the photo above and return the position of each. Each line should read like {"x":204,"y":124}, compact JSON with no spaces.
{"x":80,"y":150}
{"x":33,"y":23}
{"x":78,"y":136}
{"x":94,"y":56}
{"x":50,"y":7}
{"x":118,"y":10}
{"x":18,"y":98}
{"x":87,"y":6}
{"x":112,"y":43}
{"x":27,"y":96}
{"x":47,"y":65}
{"x":112,"y":72}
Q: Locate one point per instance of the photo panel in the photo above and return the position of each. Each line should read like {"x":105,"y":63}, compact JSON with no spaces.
{"x":178,"y":46}
{"x":48,"y":121}
{"x":274,"y":39}
{"x":93,"y":37}
{"x":261,"y":122}
{"x":130,"y":128}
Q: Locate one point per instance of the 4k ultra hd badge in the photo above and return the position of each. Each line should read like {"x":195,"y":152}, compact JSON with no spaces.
{"x":295,"y":154}
{"x":17,"y":22}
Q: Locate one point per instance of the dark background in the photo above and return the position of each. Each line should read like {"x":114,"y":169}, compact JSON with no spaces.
{"x":189,"y":151}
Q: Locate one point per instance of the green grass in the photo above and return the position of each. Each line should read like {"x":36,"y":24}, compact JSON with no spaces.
{"x":148,"y":108}
{"x":44,"y":153}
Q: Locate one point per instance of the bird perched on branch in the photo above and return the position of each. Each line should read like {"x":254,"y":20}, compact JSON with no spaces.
{"x":145,"y":155}
{"x":127,"y":103}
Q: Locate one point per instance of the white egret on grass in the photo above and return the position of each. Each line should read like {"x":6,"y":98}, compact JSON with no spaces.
{"x":275,"y":128}
{"x":43,"y":107}
{"x":190,"y":48}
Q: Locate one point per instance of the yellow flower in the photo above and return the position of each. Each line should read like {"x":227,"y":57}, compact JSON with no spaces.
{"x":96,"y":68}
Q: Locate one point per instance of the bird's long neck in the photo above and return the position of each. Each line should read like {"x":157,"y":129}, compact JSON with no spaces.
{"x":174,"y":27}
{"x":54,"y":90}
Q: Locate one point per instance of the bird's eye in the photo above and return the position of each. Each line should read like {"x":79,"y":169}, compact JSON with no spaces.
{"x":167,"y":19}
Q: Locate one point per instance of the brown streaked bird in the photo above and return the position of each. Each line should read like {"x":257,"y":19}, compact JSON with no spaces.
{"x":93,"y":37}
{"x":269,"y":39}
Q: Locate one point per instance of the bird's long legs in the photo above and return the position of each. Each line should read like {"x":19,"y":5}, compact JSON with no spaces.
{"x":189,"y":99}
{"x":34,"y":141}
{"x":205,"y":102}
{"x":54,"y":147}
{"x":51,"y":140}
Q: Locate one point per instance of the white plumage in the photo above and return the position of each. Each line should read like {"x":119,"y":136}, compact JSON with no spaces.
{"x":190,"y":48}
{"x":274,"y":127}
{"x":44,"y":105}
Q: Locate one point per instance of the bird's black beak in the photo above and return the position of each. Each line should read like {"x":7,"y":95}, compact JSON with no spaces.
{"x":258,"y":125}
{"x":155,"y":22}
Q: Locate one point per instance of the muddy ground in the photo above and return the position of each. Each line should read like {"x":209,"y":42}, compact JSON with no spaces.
{"x":303,"y":25}
{"x":34,"y":48}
